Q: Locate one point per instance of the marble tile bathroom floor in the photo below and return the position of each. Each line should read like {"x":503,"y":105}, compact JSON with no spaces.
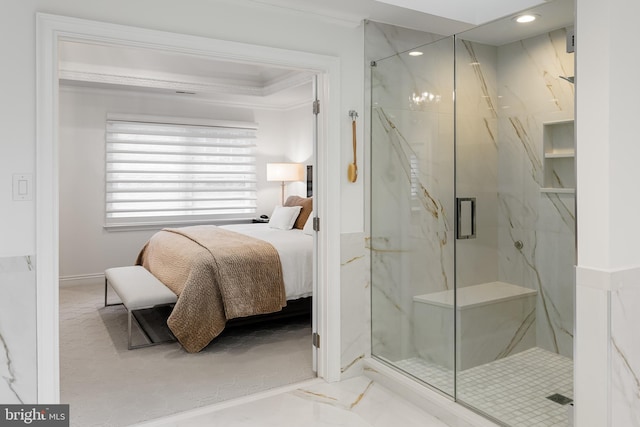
{"x":357,"y":402}
{"x":513,"y":390}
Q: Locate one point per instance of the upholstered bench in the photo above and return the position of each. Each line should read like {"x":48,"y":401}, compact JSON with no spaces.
{"x":138,"y":289}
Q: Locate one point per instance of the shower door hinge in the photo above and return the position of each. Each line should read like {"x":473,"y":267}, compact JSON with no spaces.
{"x":316,"y":223}
{"x":316,"y":340}
{"x":316,"y":107}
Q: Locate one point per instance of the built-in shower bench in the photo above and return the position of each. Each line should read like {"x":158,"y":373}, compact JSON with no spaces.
{"x":494,"y":320}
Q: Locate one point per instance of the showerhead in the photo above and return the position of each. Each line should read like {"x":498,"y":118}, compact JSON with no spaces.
{"x":569,"y":79}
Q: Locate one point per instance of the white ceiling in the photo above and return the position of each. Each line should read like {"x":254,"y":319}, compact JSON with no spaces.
{"x":472,"y":12}
{"x":551,"y":16}
{"x":154,"y":71}
{"x":353,"y":12}
{"x":243,"y":84}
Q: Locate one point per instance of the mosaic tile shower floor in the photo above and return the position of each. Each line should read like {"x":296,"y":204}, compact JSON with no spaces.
{"x":513,"y":390}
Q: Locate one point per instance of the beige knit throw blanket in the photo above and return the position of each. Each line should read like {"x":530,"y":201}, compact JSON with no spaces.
{"x":217,"y":274}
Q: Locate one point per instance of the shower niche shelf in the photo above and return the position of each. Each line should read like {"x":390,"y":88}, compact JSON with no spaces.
{"x":559,"y":157}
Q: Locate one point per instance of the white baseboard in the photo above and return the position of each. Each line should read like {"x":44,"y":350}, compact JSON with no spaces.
{"x":81,"y":280}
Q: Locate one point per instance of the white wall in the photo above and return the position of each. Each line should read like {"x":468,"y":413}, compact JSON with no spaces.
{"x":247,"y":22}
{"x":283,"y":136}
{"x":607,"y":359}
{"x":86,"y":248}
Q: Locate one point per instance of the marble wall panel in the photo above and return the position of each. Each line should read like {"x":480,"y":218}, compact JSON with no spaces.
{"x":18,"y":381}
{"x":493,"y":331}
{"x":354,"y":297}
{"x":477,"y":159}
{"x":529,"y":73}
{"x":625,"y":356}
{"x":555,"y":310}
{"x":530,"y":95}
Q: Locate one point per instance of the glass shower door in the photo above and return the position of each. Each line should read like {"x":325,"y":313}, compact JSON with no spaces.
{"x":412,"y":207}
{"x":515,"y":183}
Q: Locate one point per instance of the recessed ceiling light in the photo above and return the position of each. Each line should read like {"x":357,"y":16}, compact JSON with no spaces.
{"x":523,"y":19}
{"x":415,"y":53}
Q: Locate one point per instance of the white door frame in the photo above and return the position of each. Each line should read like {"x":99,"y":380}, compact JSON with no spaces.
{"x":50,"y":30}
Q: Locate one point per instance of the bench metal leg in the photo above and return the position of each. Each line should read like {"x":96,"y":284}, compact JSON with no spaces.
{"x":130,"y":345}
{"x":105,"y":295}
{"x":150,"y":342}
{"x":129,"y":315}
{"x":131,"y":318}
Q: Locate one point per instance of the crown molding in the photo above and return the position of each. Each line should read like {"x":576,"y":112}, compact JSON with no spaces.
{"x":155,"y":83}
{"x":186,"y":84}
{"x":287,"y":82}
{"x":253,"y":103}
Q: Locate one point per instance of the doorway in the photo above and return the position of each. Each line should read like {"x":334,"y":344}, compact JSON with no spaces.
{"x":52,"y":30}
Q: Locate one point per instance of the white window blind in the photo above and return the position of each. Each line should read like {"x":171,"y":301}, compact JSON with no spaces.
{"x":173,"y":173}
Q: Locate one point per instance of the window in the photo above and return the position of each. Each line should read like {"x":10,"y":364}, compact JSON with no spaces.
{"x":161,"y":172}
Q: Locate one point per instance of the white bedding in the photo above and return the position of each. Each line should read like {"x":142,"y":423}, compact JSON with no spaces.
{"x":296,"y":255}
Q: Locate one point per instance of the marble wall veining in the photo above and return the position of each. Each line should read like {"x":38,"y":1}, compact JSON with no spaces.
{"x":477,"y":149}
{"x":531,"y":96}
{"x":506,"y":95}
{"x":18,"y":382}
{"x":354,"y":305}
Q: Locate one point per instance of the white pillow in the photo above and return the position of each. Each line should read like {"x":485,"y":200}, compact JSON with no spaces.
{"x":308,"y":226}
{"x":283,"y":217}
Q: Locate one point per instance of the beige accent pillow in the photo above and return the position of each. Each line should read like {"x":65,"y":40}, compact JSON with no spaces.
{"x":307,"y":208}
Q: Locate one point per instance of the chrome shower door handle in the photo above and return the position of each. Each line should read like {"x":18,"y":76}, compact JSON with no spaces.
{"x":466,"y":217}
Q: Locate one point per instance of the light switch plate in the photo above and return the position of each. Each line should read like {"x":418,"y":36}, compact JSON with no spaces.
{"x":22,"y":186}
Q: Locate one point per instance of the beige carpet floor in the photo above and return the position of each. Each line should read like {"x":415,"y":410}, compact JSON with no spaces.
{"x":108,"y":385}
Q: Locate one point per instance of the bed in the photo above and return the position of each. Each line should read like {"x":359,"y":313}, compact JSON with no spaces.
{"x":228,"y":272}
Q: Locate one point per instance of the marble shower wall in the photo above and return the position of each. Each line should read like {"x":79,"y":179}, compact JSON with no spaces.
{"x":477,"y":147}
{"x":532,"y":97}
{"x":500,"y":328}
{"x":18,"y":382}
{"x":411,"y":211}
{"x":509,"y":98}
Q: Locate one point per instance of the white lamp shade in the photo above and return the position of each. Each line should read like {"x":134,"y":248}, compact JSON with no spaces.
{"x":285,"y":172}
